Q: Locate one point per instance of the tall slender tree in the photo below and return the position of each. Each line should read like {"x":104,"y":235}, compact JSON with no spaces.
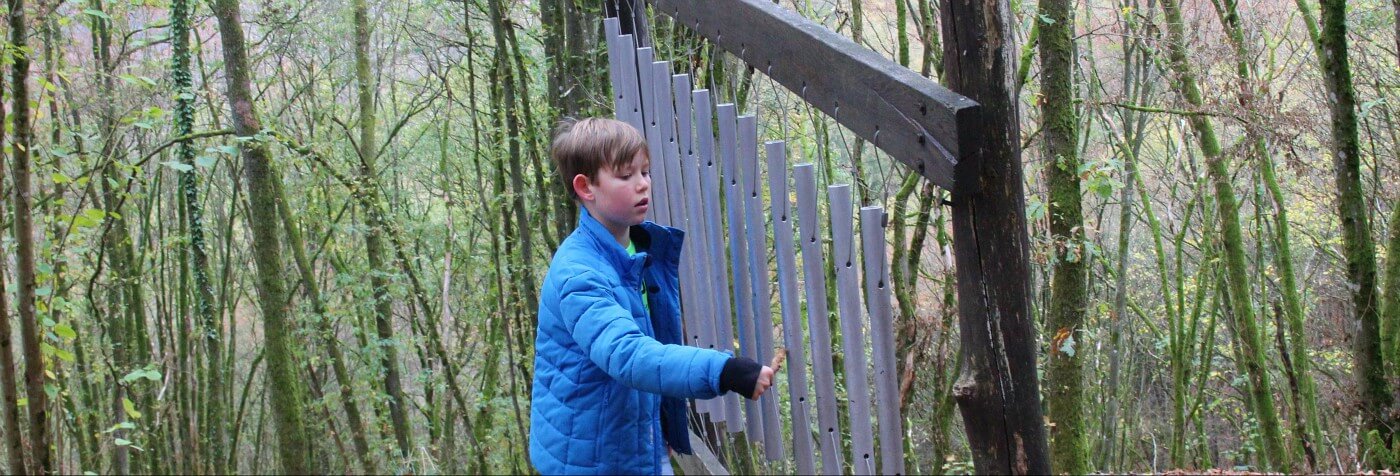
{"x":375,"y":252}
{"x":1069,"y":289}
{"x":38,"y":400}
{"x":1360,"y":251}
{"x":294,"y":447}
{"x":127,"y":298}
{"x":211,"y":329}
{"x":1238,"y":283}
{"x":1303,"y":390}
{"x":9,"y":388}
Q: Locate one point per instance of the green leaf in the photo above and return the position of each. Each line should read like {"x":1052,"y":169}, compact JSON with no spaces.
{"x":97,"y":13}
{"x":63,"y":355}
{"x":130,"y":409}
{"x":177,"y":166}
{"x":126,"y":425}
{"x":43,"y":291}
{"x":59,"y":178}
{"x":205,"y":161}
{"x":65,"y":331}
{"x":123,"y":441}
{"x":148,"y":374}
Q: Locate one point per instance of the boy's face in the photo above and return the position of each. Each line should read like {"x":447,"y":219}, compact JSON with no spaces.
{"x":620,"y":197}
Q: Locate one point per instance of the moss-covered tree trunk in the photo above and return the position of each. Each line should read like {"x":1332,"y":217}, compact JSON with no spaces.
{"x":325,"y":328}
{"x":9,"y":388}
{"x":25,"y":272}
{"x":1237,"y":273}
{"x":1064,"y":389}
{"x":1303,"y":389}
{"x":1360,"y":251}
{"x":294,"y":445}
{"x":1390,"y":315}
{"x":379,"y":269}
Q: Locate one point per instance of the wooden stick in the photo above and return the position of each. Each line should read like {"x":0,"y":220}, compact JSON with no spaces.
{"x":779,"y":355}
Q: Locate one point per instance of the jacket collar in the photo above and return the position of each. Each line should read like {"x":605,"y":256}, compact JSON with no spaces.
{"x":653,"y":242}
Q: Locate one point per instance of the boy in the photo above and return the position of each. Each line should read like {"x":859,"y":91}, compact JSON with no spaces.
{"x":610,"y":373}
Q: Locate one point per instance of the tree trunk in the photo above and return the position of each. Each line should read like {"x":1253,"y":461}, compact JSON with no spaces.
{"x":1247,"y":329}
{"x":521,"y":241}
{"x":215,"y":433}
{"x":127,"y":309}
{"x":38,"y":403}
{"x":998,"y":392}
{"x":1391,"y":314}
{"x":1304,"y":392}
{"x":1360,"y":251}
{"x":9,"y":388}
{"x":327,"y":333}
{"x":374,"y":236}
{"x":294,"y":447}
{"x":1139,"y":85}
{"x":1068,"y":290}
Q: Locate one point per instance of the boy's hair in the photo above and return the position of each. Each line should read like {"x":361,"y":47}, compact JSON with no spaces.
{"x":584,"y":146}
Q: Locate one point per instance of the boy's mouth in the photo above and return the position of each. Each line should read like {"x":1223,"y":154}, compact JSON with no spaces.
{"x":643,"y":202}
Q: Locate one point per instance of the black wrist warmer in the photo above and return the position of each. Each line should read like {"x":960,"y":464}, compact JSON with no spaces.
{"x":740,"y":375}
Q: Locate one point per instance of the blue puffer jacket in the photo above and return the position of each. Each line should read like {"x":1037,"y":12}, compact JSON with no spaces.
{"x":606,"y":375}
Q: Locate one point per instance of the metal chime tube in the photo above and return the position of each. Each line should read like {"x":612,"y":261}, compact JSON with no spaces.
{"x":666,"y":125}
{"x":791,"y":313}
{"x":738,"y":255}
{"x":814,"y":287}
{"x":661,"y":210}
{"x":852,"y":333}
{"x":719,"y":273}
{"x":756,"y":233}
{"x":700,"y":325}
{"x":877,"y":297}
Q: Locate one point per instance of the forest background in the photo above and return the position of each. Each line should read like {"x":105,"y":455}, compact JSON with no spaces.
{"x":307,"y":236}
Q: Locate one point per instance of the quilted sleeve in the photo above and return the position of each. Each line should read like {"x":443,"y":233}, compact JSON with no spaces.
{"x":611,"y":339}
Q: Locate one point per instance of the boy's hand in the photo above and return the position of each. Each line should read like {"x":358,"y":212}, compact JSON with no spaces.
{"x":745,"y":377}
{"x":765,"y":380}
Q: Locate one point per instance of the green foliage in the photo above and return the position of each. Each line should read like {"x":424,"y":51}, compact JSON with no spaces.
{"x":1377,"y":454}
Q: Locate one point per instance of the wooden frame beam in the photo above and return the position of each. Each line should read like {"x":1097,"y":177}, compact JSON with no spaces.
{"x":910,"y":117}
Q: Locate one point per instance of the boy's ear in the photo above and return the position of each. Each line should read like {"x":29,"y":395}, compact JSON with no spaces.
{"x":583,"y":188}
